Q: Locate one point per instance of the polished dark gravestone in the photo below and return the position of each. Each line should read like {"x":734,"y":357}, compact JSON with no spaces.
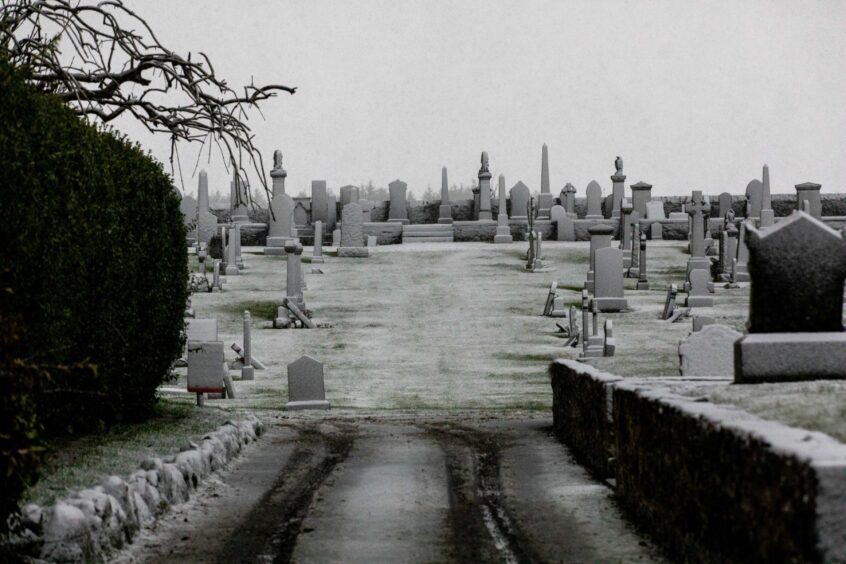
{"x":795,"y":325}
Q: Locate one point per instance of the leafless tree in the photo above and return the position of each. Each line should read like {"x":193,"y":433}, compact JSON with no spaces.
{"x":105,"y":61}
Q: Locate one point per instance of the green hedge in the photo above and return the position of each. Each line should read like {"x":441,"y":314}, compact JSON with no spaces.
{"x":94,"y":264}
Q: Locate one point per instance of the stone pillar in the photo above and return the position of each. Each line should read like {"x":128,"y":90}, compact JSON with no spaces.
{"x":216,"y":285}
{"x":810,"y":192}
{"x":247,"y":371}
{"x":485,"y":190}
{"x":698,"y":259}
{"x":317,"y":251}
{"x":641,"y":194}
{"x":503,"y":230}
{"x":545,"y":197}
{"x":642,"y":282}
{"x":767,"y":213}
{"x":445,"y":211}
{"x":238,"y":197}
{"x":319,"y":203}
{"x":232,"y":254}
{"x":618,"y":182}
{"x":398,"y":210}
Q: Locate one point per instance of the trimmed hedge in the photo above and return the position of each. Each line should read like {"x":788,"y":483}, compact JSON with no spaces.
{"x":94,"y":265}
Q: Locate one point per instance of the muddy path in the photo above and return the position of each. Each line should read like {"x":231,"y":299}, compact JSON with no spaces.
{"x":387,"y":490}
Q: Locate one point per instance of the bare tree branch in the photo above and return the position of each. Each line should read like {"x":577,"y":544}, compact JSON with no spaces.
{"x":94,"y":55}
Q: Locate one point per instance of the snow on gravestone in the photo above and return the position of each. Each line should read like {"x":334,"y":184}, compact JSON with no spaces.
{"x":708,"y":352}
{"x":305,"y":385}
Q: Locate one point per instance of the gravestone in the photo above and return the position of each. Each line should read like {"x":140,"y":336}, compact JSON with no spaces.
{"x":366,"y":210}
{"x":293,"y":273}
{"x":336,"y":238}
{"x":201,"y":329}
{"x":670,"y":302}
{"x":545,"y":197}
{"x":280,"y":227}
{"x":352,"y":232}
{"x":594,"y":200}
{"x":608,"y":281}
{"x":331,"y":214}
{"x":217,"y":286}
{"x":301,"y":219}
{"x":708,"y":352}
{"x":641,"y":195}
{"x":655,"y":211}
{"x":565,"y":227}
{"x":610,"y":345}
{"x":568,"y":199}
{"x":503,"y":230}
{"x":699,"y":296}
{"x":520,"y":202}
{"x":627,"y":220}
{"x":725,"y":203}
{"x":485,"y":190}
{"x":445,"y":209}
{"x":600,"y":238}
{"x":319,"y":201}
{"x":618,"y":183}
{"x":809,"y":192}
{"x":247,"y":370}
{"x":698,"y":257}
{"x":232,"y":252}
{"x":206,"y":221}
{"x":317,"y":250}
{"x":306,"y":389}
{"x":349,"y":194}
{"x":700,"y":321}
{"x":741,"y":272}
{"x":754,"y":198}
{"x":238,"y":197}
{"x":728,"y":252}
{"x":398,"y":207}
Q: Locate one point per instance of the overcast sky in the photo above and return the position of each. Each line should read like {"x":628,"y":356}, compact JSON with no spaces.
{"x":693,"y":95}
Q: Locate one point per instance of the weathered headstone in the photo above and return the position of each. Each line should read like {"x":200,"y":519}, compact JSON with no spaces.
{"x":594,"y":200}
{"x":708,"y":352}
{"x":216,"y":284}
{"x":698,"y":296}
{"x":520,"y":202}
{"x":398,"y":207}
{"x":565,"y":227}
{"x":485,"y":190}
{"x":608,"y":281}
{"x":809,"y":192}
{"x":670,"y":302}
{"x":568,"y":199}
{"x":306,"y":388}
{"x":545,"y":197}
{"x":352,"y":233}
{"x":301,"y":216}
{"x":280,"y":227}
{"x":641,"y":195}
{"x":600,"y":238}
{"x":445,"y":210}
{"x":503,"y":229}
{"x":754,"y":198}
{"x":349,"y":194}
{"x":336,"y":238}
{"x":247,"y":370}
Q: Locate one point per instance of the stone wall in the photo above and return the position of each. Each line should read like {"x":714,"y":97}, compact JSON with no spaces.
{"x":710,"y":483}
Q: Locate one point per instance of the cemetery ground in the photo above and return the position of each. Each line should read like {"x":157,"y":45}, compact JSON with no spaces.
{"x":439,"y":439}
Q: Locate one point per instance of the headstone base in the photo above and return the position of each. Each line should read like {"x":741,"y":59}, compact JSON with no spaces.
{"x":312,"y":404}
{"x":503,"y":234}
{"x":789,"y":357}
{"x":403,"y":221}
{"x":767,"y":218}
{"x":485,"y":216}
{"x":642,"y":286}
{"x":353,"y":252}
{"x":699,"y":301}
{"x":594,"y":217}
{"x":610,"y":304}
{"x":445,"y":214}
{"x":698,"y":262}
{"x":232,"y":270}
{"x":248,"y":373}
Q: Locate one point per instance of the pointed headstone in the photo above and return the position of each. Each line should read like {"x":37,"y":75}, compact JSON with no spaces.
{"x":306,"y":387}
{"x":503,"y":229}
{"x":545,"y":197}
{"x":445,"y":210}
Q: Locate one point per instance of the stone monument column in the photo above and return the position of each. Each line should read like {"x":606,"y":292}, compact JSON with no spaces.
{"x":698,"y":259}
{"x":618,"y":180}
{"x":641,"y":194}
{"x":545,"y":197}
{"x":503,"y":229}
{"x":485,"y":190}
{"x":810,"y":192}
{"x":445,"y":211}
{"x":767,"y":213}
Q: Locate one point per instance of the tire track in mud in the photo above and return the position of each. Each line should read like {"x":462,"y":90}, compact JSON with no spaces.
{"x":269,"y":533}
{"x":481,"y":527}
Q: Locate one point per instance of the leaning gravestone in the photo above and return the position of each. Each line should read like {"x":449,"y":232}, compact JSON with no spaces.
{"x":520,"y":202}
{"x":305,"y":385}
{"x":795,"y":321}
{"x":352,"y":232}
{"x":608,"y":281}
{"x":594,"y":200}
{"x":708,"y":352}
